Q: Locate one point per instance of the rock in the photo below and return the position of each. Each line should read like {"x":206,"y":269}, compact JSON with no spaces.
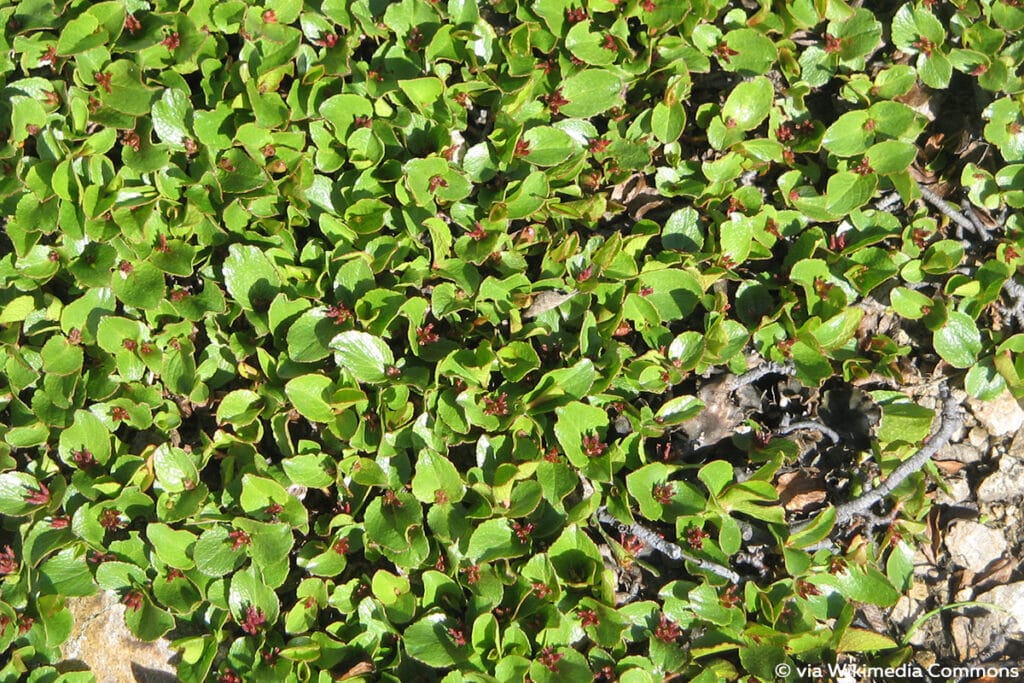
{"x":101,"y":642}
{"x":981,"y":627}
{"x":978,"y":438}
{"x":974,"y":546}
{"x":959,"y":491}
{"x":1000,"y":416}
{"x":1005,"y":483}
{"x":961,"y":452}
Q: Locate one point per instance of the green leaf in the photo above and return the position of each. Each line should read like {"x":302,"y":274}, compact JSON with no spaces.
{"x":213,"y":554}
{"x":174,"y":469}
{"x":86,"y":432}
{"x":250,"y":277}
{"x":170,"y":115}
{"x":365,"y":356}
{"x":310,"y":395}
{"x":860,"y":584}
{"x":239,"y":408}
{"x":15,"y":487}
{"x":748,"y":104}
{"x":756,"y":52}
{"x":863,"y":640}
{"x":668,"y":121}
{"x":436,"y":475}
{"x":428,"y":641}
{"x":891,"y":156}
{"x":492,"y":540}
{"x":849,"y":191}
{"x":910,"y":303}
{"x":66,"y":573}
{"x":958,"y":341}
{"x":143,"y":288}
{"x":174,"y":547}
{"x":850,"y":134}
{"x":60,"y":357}
{"x":591,"y":92}
{"x":549,"y":146}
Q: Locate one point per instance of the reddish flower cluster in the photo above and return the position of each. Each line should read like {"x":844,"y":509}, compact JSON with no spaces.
{"x":924,"y":45}
{"x":172,"y":41}
{"x":695,"y":537}
{"x":863,"y":168}
{"x":254,"y":619}
{"x":60,"y":522}
{"x":663,"y":493}
{"x":522,"y":149}
{"x":133,"y":600}
{"x":549,"y":658}
{"x":391,"y":499}
{"x":724,"y":52}
{"x":96,"y":557}
{"x":478,"y":232}
{"x":229,"y":676}
{"x":328,"y":40}
{"x":83,"y":458}
{"x":588,"y":617}
{"x":239,"y":539}
{"x":555,"y":101}
{"x":8,"y":562}
{"x":593,"y":446}
{"x":38,"y":496}
{"x":110,"y":519}
{"x":131,"y":24}
{"x":730,"y":599}
{"x":541,"y":589}
{"x":104,"y":81}
{"x":341,"y":546}
{"x":131,"y":139}
{"x":426,"y":335}
{"x":436,"y":182}
{"x":631,"y":544}
{"x":119,"y":414}
{"x":523,"y":531}
{"x":472,"y":573}
{"x":805,"y":589}
{"x":833,"y":44}
{"x":458,"y":636}
{"x":575,"y":15}
{"x":415,"y":39}
{"x":496,"y":406}
{"x":339,"y":314}
{"x":667,"y":630}
{"x":598,"y":145}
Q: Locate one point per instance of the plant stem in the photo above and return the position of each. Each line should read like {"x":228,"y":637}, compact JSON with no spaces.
{"x":665,"y":547}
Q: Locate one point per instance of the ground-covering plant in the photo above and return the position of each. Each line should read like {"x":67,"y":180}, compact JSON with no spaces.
{"x":410,"y":340}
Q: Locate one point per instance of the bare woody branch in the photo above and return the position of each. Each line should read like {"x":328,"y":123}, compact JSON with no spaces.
{"x":665,"y":547}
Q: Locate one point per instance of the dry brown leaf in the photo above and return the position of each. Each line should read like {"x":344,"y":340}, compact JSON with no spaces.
{"x":801,"y":491}
{"x":949,"y":466}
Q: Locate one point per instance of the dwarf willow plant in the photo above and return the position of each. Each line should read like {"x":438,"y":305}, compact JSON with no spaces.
{"x":278,"y":369}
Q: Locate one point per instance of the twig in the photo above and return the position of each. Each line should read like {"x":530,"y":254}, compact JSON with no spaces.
{"x":950,"y":421}
{"x":940,"y":204}
{"x":751,"y":376}
{"x":979,"y":227}
{"x":810,"y":424}
{"x":667,"y":548}
{"x":1016,"y":311}
{"x":888,"y":202}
